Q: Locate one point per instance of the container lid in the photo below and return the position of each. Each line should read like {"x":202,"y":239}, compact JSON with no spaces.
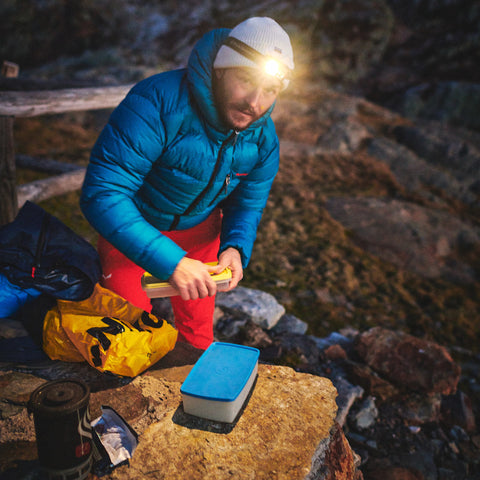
{"x":59,"y":397}
{"x":221,"y":372}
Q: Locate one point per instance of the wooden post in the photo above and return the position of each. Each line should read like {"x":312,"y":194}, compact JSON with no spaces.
{"x":8,"y":181}
{"x":15,"y":104}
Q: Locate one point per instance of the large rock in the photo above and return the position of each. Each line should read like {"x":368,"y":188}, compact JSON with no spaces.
{"x":428,"y":69}
{"x":429,"y":180}
{"x":451,"y":102}
{"x":423,"y":240}
{"x":409,"y":362}
{"x":349,"y":37}
{"x":261,"y":307}
{"x":287,"y":425}
{"x":456,"y":153}
{"x":286,"y":431}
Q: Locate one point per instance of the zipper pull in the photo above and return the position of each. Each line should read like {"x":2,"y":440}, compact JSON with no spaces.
{"x":227,"y":182}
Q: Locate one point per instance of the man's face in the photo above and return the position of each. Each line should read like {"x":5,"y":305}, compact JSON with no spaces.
{"x":243,"y":95}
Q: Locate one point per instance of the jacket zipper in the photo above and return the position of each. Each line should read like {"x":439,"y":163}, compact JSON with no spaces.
{"x":40,"y":245}
{"x":201,"y":195}
{"x":224,"y":189}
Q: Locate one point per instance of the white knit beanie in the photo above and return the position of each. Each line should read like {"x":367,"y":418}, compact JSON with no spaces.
{"x":264,"y":35}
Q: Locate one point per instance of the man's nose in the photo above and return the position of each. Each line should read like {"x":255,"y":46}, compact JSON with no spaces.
{"x":254,"y":97}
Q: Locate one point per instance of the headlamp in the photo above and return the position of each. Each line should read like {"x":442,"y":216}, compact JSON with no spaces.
{"x":274,"y":68}
{"x":268,"y":64}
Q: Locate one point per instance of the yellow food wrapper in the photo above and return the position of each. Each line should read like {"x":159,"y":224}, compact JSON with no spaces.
{"x":108,"y":332}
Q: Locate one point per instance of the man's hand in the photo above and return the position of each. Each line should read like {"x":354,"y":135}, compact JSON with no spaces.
{"x":192,"y":279}
{"x":230,"y":258}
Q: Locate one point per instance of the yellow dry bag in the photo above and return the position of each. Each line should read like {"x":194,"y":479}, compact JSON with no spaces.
{"x":108,"y":332}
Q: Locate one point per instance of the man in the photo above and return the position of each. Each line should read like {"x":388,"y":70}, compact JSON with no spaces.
{"x":181,"y":173}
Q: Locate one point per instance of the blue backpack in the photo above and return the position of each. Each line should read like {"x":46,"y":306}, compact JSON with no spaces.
{"x":38,"y":253}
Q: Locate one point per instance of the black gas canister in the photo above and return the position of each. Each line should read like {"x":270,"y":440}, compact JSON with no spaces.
{"x":62,"y":428}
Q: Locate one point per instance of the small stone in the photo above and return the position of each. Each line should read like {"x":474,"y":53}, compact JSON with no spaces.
{"x":457,"y":409}
{"x":335,"y":352}
{"x":372,"y":444}
{"x":17,"y":387}
{"x":290,"y":324}
{"x":458,"y":434}
{"x":12,"y":328}
{"x":367,"y":414}
{"x":454,"y":448}
{"x":347,"y":394}
{"x":418,"y":409}
{"x":476,"y":441}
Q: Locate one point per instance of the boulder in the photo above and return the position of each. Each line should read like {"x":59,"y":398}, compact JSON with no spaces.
{"x":287,"y":429}
{"x":261,"y":307}
{"x":349,"y":37}
{"x":449,"y":102}
{"x":409,"y":362}
{"x":287,"y":426}
{"x":422,"y":240}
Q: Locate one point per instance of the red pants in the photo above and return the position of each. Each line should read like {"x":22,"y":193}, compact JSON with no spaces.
{"x":193,"y":318}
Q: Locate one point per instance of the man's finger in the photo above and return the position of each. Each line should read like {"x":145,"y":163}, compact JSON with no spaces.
{"x":215,"y":269}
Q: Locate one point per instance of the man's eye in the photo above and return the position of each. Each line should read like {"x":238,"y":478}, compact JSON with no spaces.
{"x":245,"y":79}
{"x":244,"y":76}
{"x":271,"y":91}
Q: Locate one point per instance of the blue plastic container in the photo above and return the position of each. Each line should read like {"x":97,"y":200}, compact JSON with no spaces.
{"x":220,"y":381}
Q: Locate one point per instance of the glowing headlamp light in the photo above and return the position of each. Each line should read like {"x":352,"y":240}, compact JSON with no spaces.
{"x":275,"y":69}
{"x":269,"y":65}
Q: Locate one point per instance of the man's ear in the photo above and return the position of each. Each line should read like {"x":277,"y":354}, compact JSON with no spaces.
{"x":219,"y":72}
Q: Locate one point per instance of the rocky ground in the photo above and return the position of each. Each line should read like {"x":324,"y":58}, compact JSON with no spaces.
{"x":407,"y":408}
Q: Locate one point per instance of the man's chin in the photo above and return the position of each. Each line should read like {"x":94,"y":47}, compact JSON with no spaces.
{"x":241,"y":121}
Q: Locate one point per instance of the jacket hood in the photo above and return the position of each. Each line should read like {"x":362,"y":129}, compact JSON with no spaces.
{"x":199,"y":74}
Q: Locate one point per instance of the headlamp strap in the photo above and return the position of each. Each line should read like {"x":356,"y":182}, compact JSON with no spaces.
{"x":254,"y":55}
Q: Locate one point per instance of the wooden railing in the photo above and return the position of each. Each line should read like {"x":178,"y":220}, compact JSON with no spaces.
{"x":33,"y":103}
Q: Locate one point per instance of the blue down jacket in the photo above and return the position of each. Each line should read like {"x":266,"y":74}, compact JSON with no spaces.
{"x":164,"y":161}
